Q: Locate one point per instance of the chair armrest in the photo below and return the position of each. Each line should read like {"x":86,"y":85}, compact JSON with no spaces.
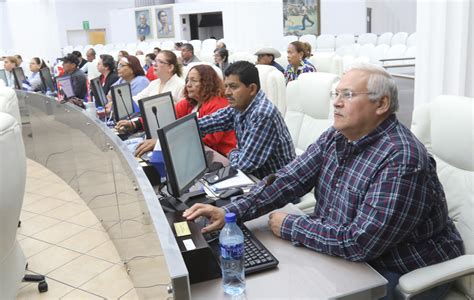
{"x":425,"y":278}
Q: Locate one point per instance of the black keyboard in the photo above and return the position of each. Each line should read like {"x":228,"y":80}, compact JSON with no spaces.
{"x":257,"y":257}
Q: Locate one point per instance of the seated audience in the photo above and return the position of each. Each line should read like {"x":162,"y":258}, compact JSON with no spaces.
{"x":90,"y":56}
{"x":78,"y":78}
{"x":187,"y":54}
{"x":149,"y":59}
{"x":168,"y":73}
{"x":139,"y":52}
{"x":121,"y":54}
{"x":203,"y":94}
{"x":266,"y":56}
{"x":156,"y":50}
{"x":221,"y":58}
{"x":82,"y":61}
{"x":379,"y":199}
{"x":35,"y":83}
{"x":9,"y":63}
{"x":298,"y":52}
{"x":264,"y":142}
{"x":108,"y":73}
{"x":129,"y":70}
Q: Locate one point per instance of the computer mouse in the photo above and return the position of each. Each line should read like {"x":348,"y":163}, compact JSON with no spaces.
{"x":231,"y":192}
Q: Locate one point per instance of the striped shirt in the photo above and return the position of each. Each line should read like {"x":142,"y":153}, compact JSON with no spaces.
{"x":379,"y":200}
{"x":304,"y":67}
{"x":264,"y":143}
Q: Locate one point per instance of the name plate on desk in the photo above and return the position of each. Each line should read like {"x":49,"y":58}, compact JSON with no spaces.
{"x":197,"y":255}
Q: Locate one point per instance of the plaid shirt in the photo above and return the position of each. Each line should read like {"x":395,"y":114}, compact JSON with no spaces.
{"x":263,"y":140}
{"x":304,"y":67}
{"x":379,"y":200}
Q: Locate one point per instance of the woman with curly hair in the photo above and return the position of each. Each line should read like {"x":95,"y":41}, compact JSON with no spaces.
{"x":204,"y":94}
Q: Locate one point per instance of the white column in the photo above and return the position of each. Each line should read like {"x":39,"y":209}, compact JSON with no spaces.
{"x":444,"y":59}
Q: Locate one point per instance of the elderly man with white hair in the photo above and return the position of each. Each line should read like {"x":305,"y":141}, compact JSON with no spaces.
{"x":379,"y":199}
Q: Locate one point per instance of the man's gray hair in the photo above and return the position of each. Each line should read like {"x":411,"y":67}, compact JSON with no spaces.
{"x":380,"y":83}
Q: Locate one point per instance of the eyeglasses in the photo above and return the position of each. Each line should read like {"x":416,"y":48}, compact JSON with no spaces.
{"x":123,"y":62}
{"x":346,"y":95}
{"x":159,"y":61}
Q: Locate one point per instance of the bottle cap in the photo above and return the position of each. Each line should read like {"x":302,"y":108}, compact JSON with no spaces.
{"x":230,"y":218}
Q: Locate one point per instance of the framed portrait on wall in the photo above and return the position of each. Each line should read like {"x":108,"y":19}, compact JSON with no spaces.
{"x":301,"y":17}
{"x":164,"y":22}
{"x":143,"y":24}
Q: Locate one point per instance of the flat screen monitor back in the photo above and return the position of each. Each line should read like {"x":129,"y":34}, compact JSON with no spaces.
{"x":19,"y":77}
{"x":165,"y":113}
{"x":3,"y":76}
{"x":122,"y":101}
{"x":183,"y":153}
{"x":47,"y":80}
{"x":66,"y":86}
{"x":98,"y":92}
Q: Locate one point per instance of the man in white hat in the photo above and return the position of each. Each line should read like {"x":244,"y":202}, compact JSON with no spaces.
{"x":266,"y":56}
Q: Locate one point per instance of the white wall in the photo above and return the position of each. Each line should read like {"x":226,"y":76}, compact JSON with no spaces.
{"x":343,"y":16}
{"x":71,"y":13}
{"x":249,"y":25}
{"x":393,"y":16}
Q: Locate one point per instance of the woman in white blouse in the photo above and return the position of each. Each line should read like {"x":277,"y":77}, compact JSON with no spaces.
{"x":168,"y":71}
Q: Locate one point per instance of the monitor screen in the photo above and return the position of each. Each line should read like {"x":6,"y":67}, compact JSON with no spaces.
{"x":165,"y":113}
{"x":19,"y":77}
{"x":183,"y":153}
{"x":65,"y":83}
{"x":47,"y":80}
{"x":3,"y":76}
{"x":98,"y":92}
{"x":122,"y":101}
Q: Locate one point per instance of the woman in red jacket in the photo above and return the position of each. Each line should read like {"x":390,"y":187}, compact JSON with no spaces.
{"x":203,"y":93}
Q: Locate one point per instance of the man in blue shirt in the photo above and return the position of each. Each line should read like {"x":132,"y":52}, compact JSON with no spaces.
{"x":264,"y":143}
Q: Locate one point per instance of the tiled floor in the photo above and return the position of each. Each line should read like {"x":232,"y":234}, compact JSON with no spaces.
{"x":63,"y":240}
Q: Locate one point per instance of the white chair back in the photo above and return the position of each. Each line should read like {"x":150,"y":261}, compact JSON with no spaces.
{"x":385,"y":38}
{"x":308,"y":115}
{"x":272,"y":82}
{"x":345,"y":39}
{"x":399,"y":38}
{"x":12,"y":189}
{"x":325,"y":43}
{"x":367,"y":38}
{"x":327,"y":62}
{"x":9,"y":103}
{"x":411,"y":40}
{"x":451,"y":141}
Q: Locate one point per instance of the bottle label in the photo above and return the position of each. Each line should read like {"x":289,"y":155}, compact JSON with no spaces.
{"x":232,"y":251}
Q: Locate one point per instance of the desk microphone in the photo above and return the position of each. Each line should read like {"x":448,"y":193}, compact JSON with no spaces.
{"x":153,"y":109}
{"x":119,"y":91}
{"x":268,"y":181}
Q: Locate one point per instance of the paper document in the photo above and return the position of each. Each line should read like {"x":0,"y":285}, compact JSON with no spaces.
{"x":239,"y":180}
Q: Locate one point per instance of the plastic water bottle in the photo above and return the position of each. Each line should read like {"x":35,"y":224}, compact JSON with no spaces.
{"x":231,"y":241}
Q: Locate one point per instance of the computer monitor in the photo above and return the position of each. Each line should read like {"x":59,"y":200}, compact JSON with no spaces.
{"x":98,"y":92}
{"x":165,"y":113}
{"x":47,"y":80}
{"x":65,"y":85}
{"x":122,"y":101}
{"x":3,"y":76}
{"x":19,"y":76}
{"x":183,"y":153}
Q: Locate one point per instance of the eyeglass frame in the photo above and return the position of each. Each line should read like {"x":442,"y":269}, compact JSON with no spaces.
{"x":124,"y":60}
{"x":347,"y":94}
{"x":159,"y":61}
